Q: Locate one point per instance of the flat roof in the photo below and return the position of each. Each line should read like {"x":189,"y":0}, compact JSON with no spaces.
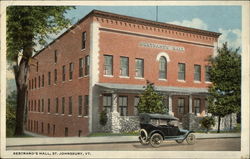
{"x":103,"y":14}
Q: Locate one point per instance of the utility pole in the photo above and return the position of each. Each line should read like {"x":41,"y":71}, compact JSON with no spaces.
{"x":157,"y":13}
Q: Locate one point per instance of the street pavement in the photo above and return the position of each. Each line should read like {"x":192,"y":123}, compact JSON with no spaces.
{"x":219,"y":144}
{"x":43,"y":141}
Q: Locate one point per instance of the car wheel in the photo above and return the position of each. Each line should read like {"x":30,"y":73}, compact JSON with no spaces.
{"x":156,"y":140}
{"x":190,"y":139}
{"x":179,"y":141}
{"x":143,"y":138}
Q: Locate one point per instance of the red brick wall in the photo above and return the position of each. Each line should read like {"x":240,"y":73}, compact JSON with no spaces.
{"x":118,"y":44}
{"x":68,"y":50}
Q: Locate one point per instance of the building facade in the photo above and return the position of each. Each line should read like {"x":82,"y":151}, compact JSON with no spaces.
{"x":103,"y":63}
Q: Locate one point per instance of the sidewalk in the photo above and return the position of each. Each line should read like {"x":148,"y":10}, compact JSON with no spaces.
{"x":41,"y":140}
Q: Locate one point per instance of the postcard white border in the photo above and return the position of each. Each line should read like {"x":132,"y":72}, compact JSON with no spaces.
{"x":244,"y":153}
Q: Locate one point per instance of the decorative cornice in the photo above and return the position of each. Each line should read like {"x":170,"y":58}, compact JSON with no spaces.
{"x":161,"y":25}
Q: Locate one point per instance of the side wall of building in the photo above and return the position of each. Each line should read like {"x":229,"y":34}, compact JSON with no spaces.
{"x":43,"y":115}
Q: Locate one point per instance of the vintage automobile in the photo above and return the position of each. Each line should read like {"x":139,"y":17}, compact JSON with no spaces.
{"x":158,"y":127}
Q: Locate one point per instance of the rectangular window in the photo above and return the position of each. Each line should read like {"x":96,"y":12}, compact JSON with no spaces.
{"x":42,"y":127}
{"x":79,"y":105}
{"x":54,"y":129}
{"x":48,"y":128}
{"x":107,"y":103}
{"x":181,"y":105}
{"x":197,"y":105}
{"x":87,"y":65}
{"x":42,"y":80}
{"x":36,"y":66}
{"x":86,"y":105}
{"x":139,"y":71}
{"x":197,"y":72}
{"x":81,"y":67}
{"x":35,"y":82}
{"x":48,"y":105}
{"x":55,"y":75}
{"x":84,"y":37}
{"x":181,"y":71}
{"x":136,"y":102}
{"x":39,"y":81}
{"x":49,"y":78}
{"x":123,"y":105}
{"x":39,"y":109}
{"x":162,"y":68}
{"x":71,"y":67}
{"x":29,"y":85}
{"x":31,"y":105}
{"x":55,"y":56}
{"x":66,"y":132}
{"x":70,"y":105}
{"x":57,"y":105}
{"x":63,"y":73}
{"x":79,"y":133}
{"x":35,"y":106}
{"x":42,"y":105}
{"x":32,"y":84}
{"x":108,"y":65}
{"x":63,"y":104}
{"x":124,"y":66}
{"x":207,"y":77}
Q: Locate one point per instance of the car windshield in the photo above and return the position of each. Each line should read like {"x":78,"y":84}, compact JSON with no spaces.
{"x":157,"y":122}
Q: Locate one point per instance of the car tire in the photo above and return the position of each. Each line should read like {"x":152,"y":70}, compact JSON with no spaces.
{"x":179,"y":141}
{"x":191,"y":139}
{"x":156,"y":140}
{"x":143,"y":138}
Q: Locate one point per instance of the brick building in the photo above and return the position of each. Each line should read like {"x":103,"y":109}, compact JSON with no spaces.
{"x":103,"y":62}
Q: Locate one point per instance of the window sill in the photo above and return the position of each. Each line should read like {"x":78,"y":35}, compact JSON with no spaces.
{"x":183,"y":81}
{"x":48,"y":113}
{"x":70,"y":80}
{"x":80,"y":77}
{"x":161,"y":79}
{"x":108,"y":75}
{"x":62,"y":114}
{"x":86,"y":116}
{"x":208,"y":82}
{"x":86,"y":75}
{"x":197,"y":81}
{"x":79,"y":116}
{"x":70,"y":115}
{"x":124,"y":77}
{"x":56,"y":114}
{"x":63,"y":81}
{"x":140,"y":78}
{"x":83,"y":49}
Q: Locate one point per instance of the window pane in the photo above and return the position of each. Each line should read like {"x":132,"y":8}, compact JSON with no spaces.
{"x":139,"y":68}
{"x":197,"y":72}
{"x":124,"y":66}
{"x":87,"y":65}
{"x":108,"y":65}
{"x":207,"y":77}
{"x":181,"y":71}
{"x":162,"y":68}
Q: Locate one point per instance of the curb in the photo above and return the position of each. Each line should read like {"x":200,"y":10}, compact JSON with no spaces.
{"x":43,"y":141}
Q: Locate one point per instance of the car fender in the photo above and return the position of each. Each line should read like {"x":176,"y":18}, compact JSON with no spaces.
{"x":189,"y":132}
{"x":156,"y":131}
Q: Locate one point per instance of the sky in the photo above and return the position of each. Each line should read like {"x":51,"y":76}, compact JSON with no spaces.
{"x":223,"y":19}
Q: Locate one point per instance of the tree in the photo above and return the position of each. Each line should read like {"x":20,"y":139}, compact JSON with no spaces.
{"x":225,"y":74}
{"x":207,"y":122}
{"x":28,"y":26}
{"x":151,"y":101}
{"x":10,"y":113}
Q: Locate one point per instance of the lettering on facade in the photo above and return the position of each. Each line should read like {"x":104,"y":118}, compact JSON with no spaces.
{"x":161,"y":46}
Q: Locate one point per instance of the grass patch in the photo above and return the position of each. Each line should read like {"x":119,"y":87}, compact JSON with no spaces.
{"x":24,"y":135}
{"x":113,"y":134}
{"x":237,"y":129}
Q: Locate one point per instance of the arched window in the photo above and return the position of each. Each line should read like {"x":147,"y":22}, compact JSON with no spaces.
{"x":162,"y":68}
